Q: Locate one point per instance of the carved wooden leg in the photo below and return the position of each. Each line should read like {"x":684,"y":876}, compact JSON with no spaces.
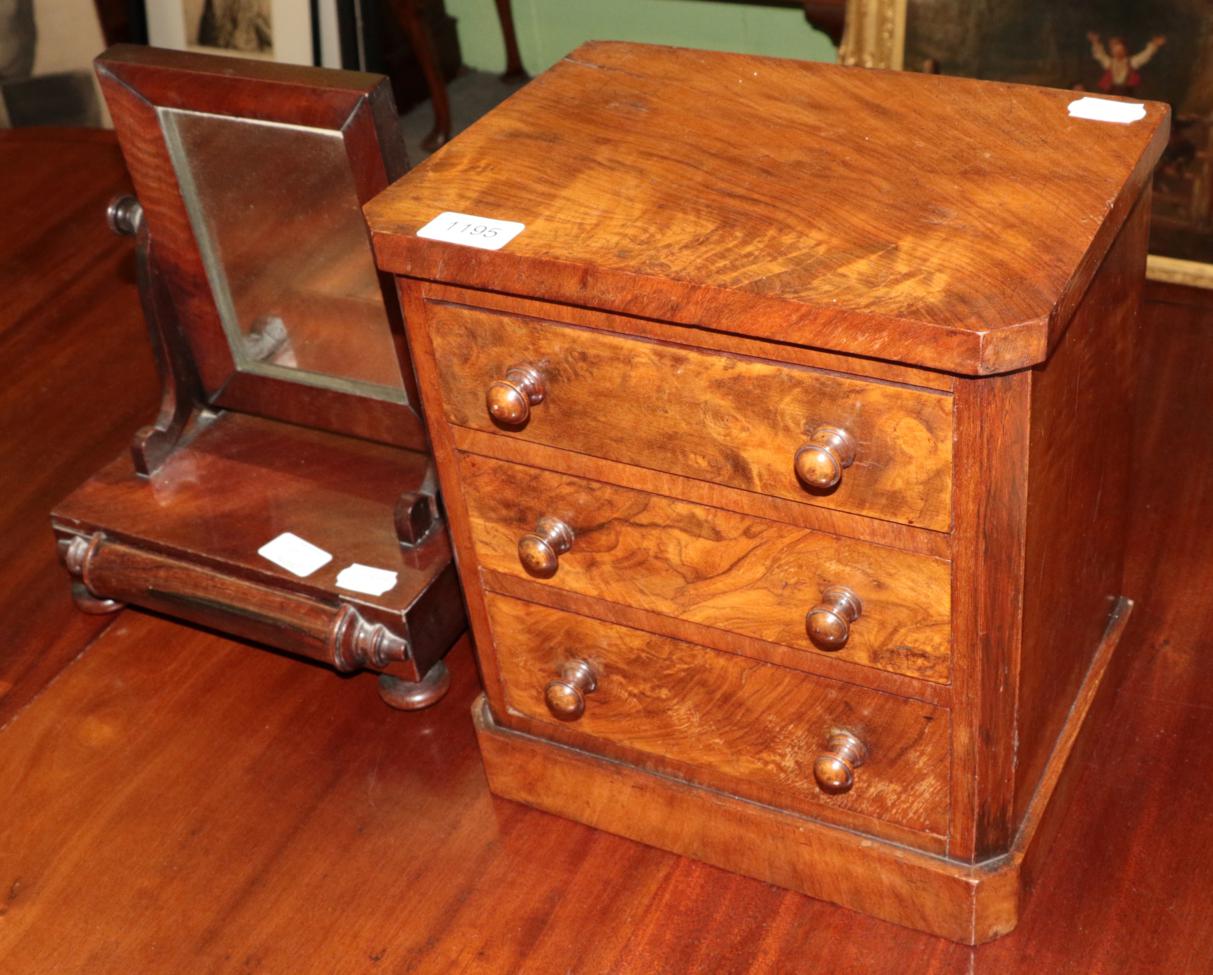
{"x":414,"y":695}
{"x":513,"y":58}
{"x":414,"y":24}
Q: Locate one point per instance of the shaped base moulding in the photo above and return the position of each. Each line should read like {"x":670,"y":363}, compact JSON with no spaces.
{"x":968,"y":903}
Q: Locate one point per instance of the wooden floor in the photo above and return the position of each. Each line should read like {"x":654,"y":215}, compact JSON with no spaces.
{"x":173,"y":801}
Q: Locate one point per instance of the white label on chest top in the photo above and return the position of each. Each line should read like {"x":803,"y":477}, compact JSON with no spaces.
{"x":463,"y":228}
{"x":295,"y":554}
{"x":366,"y":578}
{"x":1107,"y":110}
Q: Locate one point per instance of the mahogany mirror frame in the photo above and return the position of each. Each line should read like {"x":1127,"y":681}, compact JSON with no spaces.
{"x":140,"y":81}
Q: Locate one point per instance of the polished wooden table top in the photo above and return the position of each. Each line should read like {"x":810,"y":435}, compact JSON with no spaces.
{"x":868,"y":212}
{"x":174,"y":801}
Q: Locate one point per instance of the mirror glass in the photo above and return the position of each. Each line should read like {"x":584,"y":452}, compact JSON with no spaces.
{"x":275,"y":212}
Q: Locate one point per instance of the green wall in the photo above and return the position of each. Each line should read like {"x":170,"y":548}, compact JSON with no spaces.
{"x":549,"y":29}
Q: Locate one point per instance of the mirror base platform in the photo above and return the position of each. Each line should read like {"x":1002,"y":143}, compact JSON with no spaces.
{"x":185,"y":541}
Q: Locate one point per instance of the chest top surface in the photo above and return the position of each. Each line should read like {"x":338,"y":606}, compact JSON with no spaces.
{"x":937,"y":221}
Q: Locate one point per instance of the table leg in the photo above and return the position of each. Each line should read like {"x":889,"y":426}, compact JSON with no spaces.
{"x":513,"y":58}
{"x":411,"y":17}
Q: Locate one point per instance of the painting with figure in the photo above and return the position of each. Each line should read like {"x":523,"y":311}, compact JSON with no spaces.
{"x":242,"y":26}
{"x":1150,"y":49}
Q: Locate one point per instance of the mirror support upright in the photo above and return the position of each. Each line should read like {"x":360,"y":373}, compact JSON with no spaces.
{"x":181,"y":394}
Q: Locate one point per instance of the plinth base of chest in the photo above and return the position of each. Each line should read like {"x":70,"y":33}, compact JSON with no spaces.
{"x":968,"y":903}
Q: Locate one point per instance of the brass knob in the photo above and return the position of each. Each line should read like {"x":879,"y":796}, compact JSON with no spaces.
{"x":539,"y":551}
{"x":565,"y":696}
{"x":829,"y":622}
{"x":509,"y":400}
{"x":835,"y":768}
{"x":820,"y":462}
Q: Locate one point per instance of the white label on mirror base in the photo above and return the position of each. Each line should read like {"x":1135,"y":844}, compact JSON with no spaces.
{"x":463,"y":228}
{"x":294,"y":554}
{"x":1107,"y":110}
{"x":365,"y":578}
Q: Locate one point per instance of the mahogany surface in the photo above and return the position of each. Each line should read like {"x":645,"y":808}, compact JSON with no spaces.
{"x":984,"y":246}
{"x":175,"y":803}
{"x":69,"y":303}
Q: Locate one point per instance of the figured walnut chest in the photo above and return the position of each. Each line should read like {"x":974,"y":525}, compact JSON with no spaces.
{"x":786,"y":450}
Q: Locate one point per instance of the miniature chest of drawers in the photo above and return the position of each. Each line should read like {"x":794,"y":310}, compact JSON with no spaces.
{"x":786,"y":450}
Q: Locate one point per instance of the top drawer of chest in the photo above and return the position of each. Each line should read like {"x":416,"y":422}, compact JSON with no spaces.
{"x":721,"y":418}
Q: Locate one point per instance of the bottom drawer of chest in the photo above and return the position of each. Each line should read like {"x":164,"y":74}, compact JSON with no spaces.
{"x":729,"y":722}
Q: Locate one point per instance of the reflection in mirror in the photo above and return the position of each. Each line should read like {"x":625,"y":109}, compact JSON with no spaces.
{"x":276,"y":215}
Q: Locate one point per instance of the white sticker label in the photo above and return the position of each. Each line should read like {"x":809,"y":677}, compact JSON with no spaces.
{"x":365,"y":578}
{"x":1107,"y":110}
{"x":463,"y":228}
{"x":295,"y":554}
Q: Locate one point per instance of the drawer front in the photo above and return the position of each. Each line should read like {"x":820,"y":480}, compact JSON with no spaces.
{"x":708,"y":415}
{"x":751,"y":728}
{"x":713,"y":567}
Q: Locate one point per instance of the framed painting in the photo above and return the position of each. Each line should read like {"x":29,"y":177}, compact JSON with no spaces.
{"x":1157,"y":50}
{"x":274,"y":30}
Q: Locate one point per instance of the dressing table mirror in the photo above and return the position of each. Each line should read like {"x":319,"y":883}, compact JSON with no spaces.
{"x":285,"y":492}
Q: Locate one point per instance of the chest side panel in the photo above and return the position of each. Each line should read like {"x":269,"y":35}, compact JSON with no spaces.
{"x":1081,"y":454}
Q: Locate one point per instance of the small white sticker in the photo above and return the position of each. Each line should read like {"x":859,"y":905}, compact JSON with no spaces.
{"x":463,"y":228}
{"x":365,"y":578}
{"x":1107,"y":110}
{"x":294,"y":554}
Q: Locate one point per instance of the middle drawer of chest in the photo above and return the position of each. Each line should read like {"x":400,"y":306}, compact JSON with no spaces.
{"x":845,"y":598}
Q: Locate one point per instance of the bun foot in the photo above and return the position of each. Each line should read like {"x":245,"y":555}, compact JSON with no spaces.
{"x":407,"y":695}
{"x":86,"y":602}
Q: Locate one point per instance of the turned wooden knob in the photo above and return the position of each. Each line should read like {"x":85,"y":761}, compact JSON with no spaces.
{"x":565,"y":696}
{"x":539,"y":551}
{"x":820,"y":462}
{"x":835,"y":768}
{"x":124,"y":215}
{"x":829,"y":622}
{"x":510,"y":399}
